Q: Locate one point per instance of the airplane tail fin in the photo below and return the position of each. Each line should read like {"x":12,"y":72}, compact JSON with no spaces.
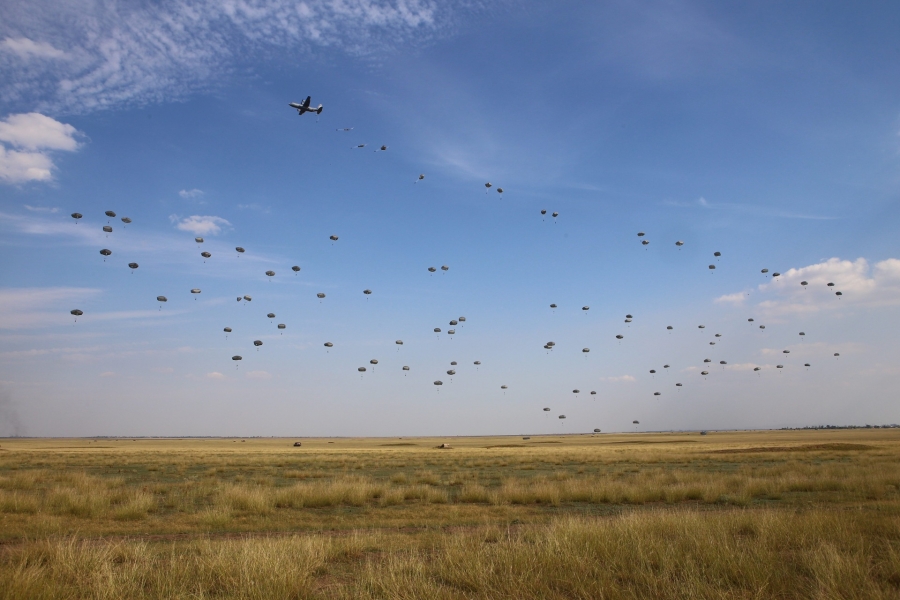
{"x":319,"y":110}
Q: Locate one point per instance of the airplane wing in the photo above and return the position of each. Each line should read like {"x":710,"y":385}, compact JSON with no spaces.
{"x":306,"y":102}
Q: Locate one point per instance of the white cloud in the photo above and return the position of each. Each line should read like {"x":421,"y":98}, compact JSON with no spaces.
{"x":133,"y":53}
{"x":41,"y":209}
{"x":34,"y":131}
{"x":215,"y":375}
{"x":259,"y":375}
{"x":736,"y":298}
{"x":191,"y":194}
{"x":26,"y":48}
{"x":858,"y":282}
{"x":202,"y":225}
{"x":27,"y":140}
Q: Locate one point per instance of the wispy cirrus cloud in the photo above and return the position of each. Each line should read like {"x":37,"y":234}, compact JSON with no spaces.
{"x":745,"y":208}
{"x":193,"y":194}
{"x":116,"y":53}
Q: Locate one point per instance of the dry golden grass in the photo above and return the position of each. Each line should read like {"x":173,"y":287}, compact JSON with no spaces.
{"x":736,"y":515}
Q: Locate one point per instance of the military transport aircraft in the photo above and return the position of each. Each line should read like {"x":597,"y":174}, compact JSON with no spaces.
{"x":304,"y":108}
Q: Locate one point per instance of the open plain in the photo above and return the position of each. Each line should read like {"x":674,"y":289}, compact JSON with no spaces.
{"x":768,"y":514}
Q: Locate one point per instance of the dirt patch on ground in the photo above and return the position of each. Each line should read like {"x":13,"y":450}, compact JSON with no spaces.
{"x":807,"y":448}
{"x":655,"y":442}
{"x":507,"y":446}
{"x":400,"y":444}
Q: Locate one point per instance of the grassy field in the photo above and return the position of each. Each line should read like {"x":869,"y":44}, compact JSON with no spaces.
{"x":786,"y":514}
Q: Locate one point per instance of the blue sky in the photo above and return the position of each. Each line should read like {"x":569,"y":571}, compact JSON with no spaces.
{"x":768,"y":133}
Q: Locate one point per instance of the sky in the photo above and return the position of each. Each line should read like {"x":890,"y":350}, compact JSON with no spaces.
{"x":769,"y":133}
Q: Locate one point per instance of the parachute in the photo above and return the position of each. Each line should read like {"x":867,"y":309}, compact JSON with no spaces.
{"x":488,"y":185}
{"x":764,"y":271}
{"x":383,"y":148}
{"x":636,"y":422}
{"x":585,"y":350}
{"x":499,"y":190}
{"x":431,"y":269}
{"x":503,"y":387}
{"x":333,"y":238}
{"x":749,"y":320}
{"x":329,"y":345}
{"x":421,"y":177}
{"x":701,"y":326}
{"x":236,"y":357}
{"x":717,"y":254}
{"x":77,"y":216}
{"x":281,"y":326}
{"x":576,"y":391}
{"x":227,"y":330}
{"x":106,"y":252}
{"x":454,"y":322}
{"x":707,"y":360}
{"x":248,"y":298}
{"x":806,"y":364}
{"x":367,"y":292}
{"x":669,"y":327}
{"x":554,"y":215}
{"x":704,"y":372}
{"x":295,"y":269}
{"x":239,"y":249}
{"x":271,"y":315}
{"x":786,"y":351}
{"x":438,"y":382}
{"x":399,"y":342}
{"x":628,"y":317}
{"x":257,"y":343}
{"x":162,"y":299}
{"x":126,"y":220}
{"x":132,"y":266}
{"x":452,"y":363}
{"x":437,"y":329}
{"x":110,"y":214}
{"x":718,"y":335}
{"x":830,"y":284}
{"x":644,"y":242}
{"x":405,"y":368}
{"x":270,"y":273}
{"x":199,"y":240}
{"x":838,"y":293}
{"x":76,"y":312}
{"x":205,"y":254}
{"x":585,"y":308}
{"x":320,"y":295}
{"x":195,"y":291}
{"x":762,"y":326}
{"x":804,"y":283}
{"x":107,"y":229}
{"x":361,"y":369}
{"x":593,"y":393}
{"x":596,"y":430}
{"x":451,"y":372}
{"x":665,"y":366}
{"x":445,"y":268}
{"x":779,"y":366}
{"x":451,"y":331}
{"x":677,"y":385}
{"x":776,"y":274}
{"x":652,"y":371}
{"x":619,"y":337}
{"x":837,"y":353}
{"x":679,"y":243}
{"x":462,"y":319}
{"x":712,"y":267}
{"x":757,"y":368}
{"x":562,"y":416}
{"x":640,"y":234}
{"x":546,"y":410}
{"x":552,"y":306}
{"x":722,"y":362}
{"x":477,"y":362}
{"x":657,"y":394}
{"x":543,"y":211}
